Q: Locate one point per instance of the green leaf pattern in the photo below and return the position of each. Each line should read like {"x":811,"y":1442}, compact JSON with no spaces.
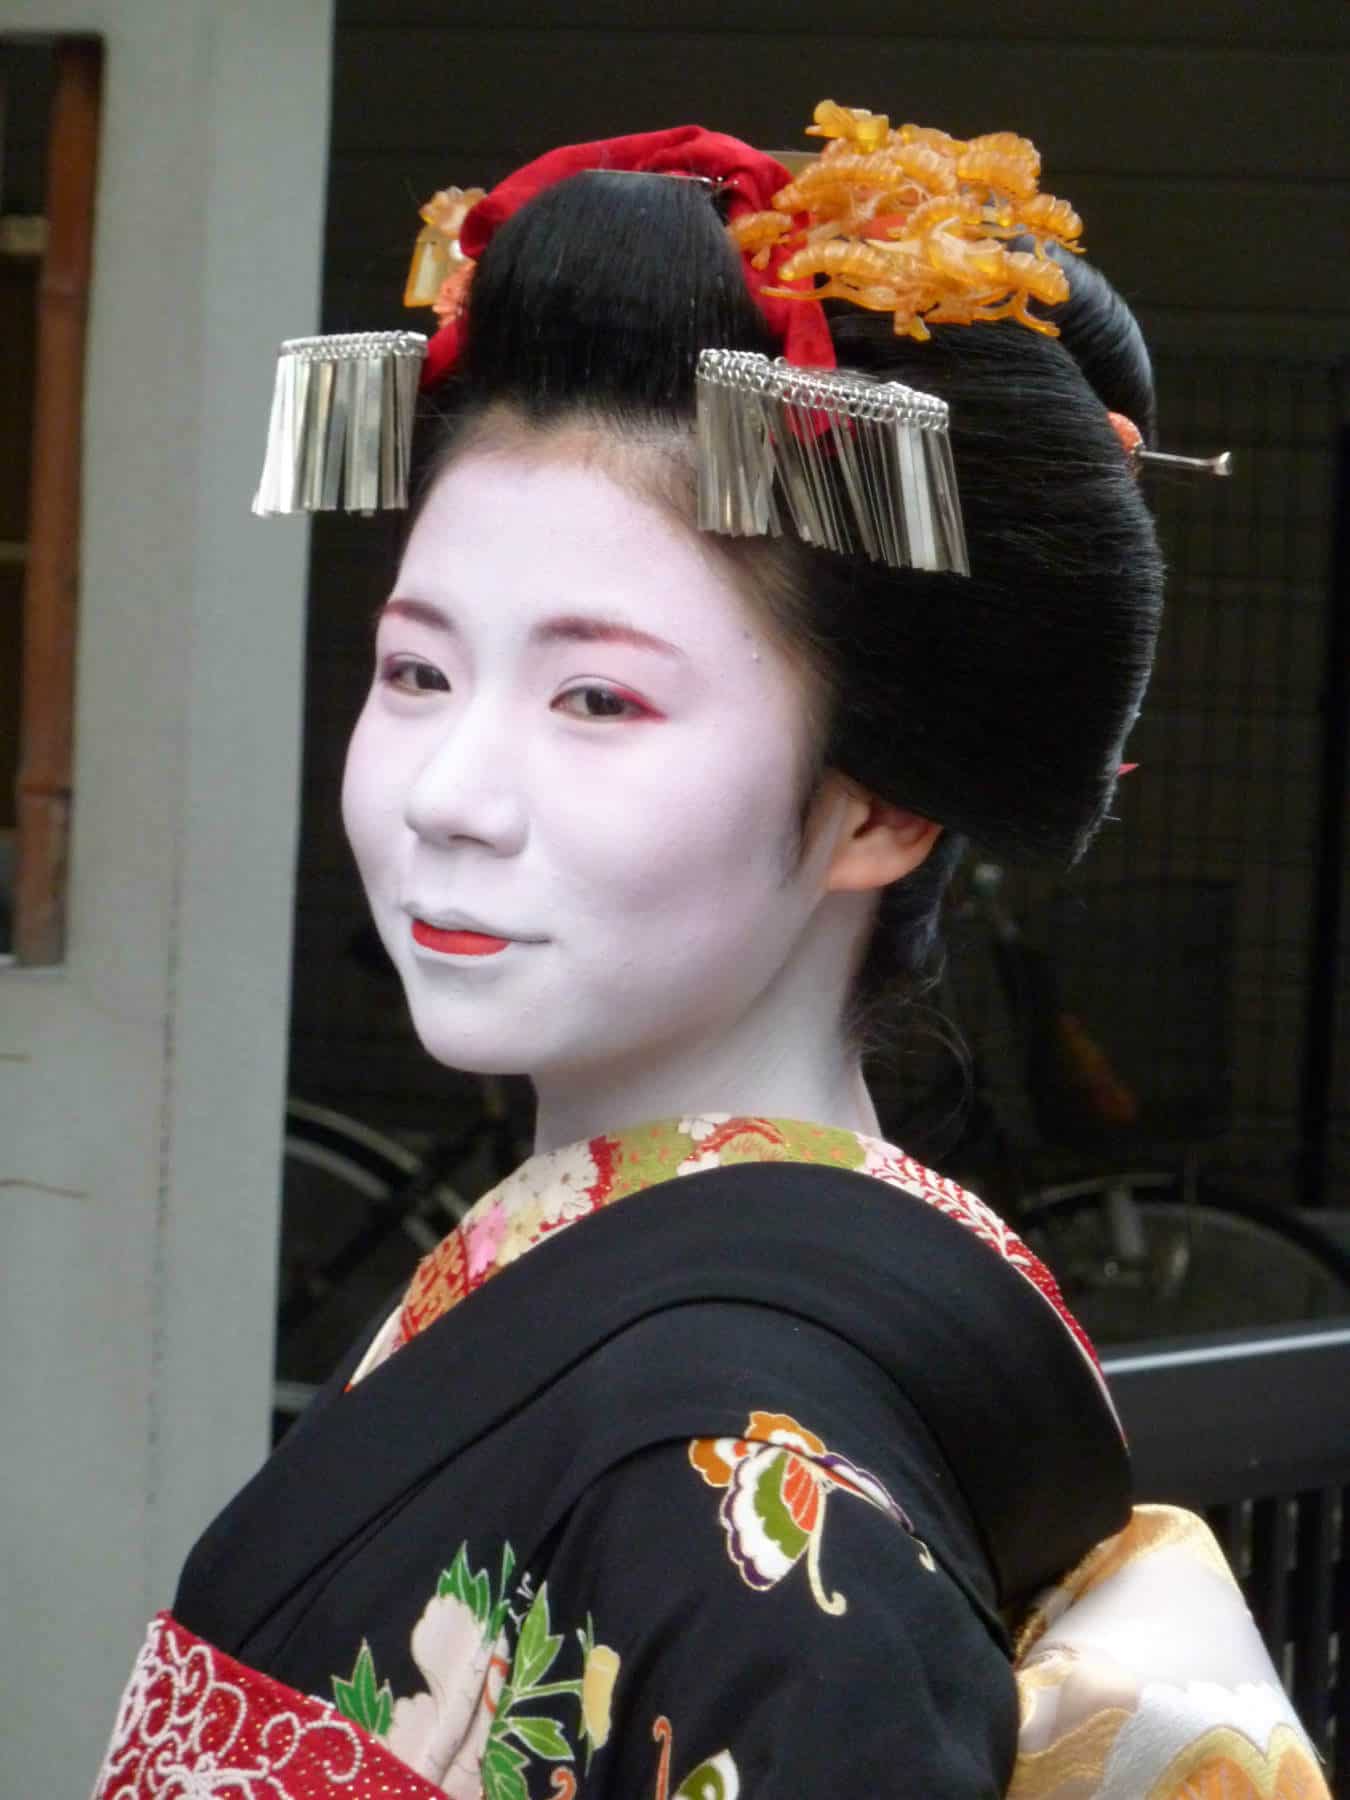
{"x":503,"y":1772}
{"x":538,"y":1647}
{"x":542,"y":1737}
{"x":360,"y":1700}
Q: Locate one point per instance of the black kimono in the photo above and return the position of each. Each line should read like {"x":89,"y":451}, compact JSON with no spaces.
{"x":729,"y":1491}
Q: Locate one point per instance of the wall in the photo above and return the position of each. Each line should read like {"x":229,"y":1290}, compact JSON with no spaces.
{"x":141,"y":1083}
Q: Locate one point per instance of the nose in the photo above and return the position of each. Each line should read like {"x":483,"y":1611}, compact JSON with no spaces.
{"x":467,"y":789}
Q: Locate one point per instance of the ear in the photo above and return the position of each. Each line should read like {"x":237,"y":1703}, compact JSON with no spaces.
{"x":876,"y":843}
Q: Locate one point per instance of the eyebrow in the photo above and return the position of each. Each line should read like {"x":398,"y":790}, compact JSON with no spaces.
{"x":422,"y":612}
{"x":567,"y":628}
{"x":585,"y":628}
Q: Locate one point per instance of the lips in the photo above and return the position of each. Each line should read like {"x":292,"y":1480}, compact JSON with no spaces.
{"x":457,"y":942}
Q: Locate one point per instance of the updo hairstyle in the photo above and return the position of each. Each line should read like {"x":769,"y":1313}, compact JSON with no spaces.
{"x":996,"y":704}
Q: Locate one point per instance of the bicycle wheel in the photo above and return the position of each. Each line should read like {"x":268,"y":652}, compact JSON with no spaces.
{"x":1137,"y":1258}
{"x":356,"y":1216}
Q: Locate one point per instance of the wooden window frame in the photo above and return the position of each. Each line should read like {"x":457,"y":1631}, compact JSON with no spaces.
{"x":44,"y":797}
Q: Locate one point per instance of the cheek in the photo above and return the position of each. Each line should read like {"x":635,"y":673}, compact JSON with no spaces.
{"x":370,"y":793}
{"x":701,"y":835}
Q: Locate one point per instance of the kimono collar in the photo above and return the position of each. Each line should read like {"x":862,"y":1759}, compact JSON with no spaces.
{"x":557,"y":1188}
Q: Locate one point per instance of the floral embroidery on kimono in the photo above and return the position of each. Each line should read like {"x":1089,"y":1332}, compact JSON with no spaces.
{"x":474,"y":1731}
{"x":776,"y":1479}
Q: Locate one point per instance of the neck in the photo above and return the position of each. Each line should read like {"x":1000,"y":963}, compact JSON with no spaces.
{"x":787,"y":1057}
{"x":827,"y":1097}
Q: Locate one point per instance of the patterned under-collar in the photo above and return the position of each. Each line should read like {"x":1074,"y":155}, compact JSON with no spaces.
{"x":556,"y":1188}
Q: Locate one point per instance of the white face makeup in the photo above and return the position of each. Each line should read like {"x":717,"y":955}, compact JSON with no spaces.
{"x":573,"y":791}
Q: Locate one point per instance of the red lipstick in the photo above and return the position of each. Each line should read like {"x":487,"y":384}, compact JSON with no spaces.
{"x":457,"y":943}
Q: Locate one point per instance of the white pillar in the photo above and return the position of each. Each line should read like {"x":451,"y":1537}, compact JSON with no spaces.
{"x":141,"y":1083}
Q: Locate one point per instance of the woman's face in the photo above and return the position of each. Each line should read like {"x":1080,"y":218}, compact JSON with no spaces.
{"x":574,"y":790}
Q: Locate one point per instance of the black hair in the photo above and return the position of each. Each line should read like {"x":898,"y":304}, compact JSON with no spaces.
{"x":598,"y":295}
{"x":996,"y":704}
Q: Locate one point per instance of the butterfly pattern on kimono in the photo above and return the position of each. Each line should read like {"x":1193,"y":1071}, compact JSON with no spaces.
{"x":776,"y":1479}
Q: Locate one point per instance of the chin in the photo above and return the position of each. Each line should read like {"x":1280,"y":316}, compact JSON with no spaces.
{"x":465,"y":1059}
{"x":500,"y":1040}
{"x":472,"y":1047}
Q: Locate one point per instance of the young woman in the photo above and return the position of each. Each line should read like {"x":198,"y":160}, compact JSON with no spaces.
{"x":723,"y":1450}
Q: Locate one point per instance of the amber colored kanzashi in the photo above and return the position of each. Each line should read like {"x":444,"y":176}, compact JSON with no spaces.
{"x":917,"y":223}
{"x":440,"y":273}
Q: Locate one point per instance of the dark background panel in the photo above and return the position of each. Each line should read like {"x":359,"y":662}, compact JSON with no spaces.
{"x":1074,"y":99}
{"x":1205,"y":24}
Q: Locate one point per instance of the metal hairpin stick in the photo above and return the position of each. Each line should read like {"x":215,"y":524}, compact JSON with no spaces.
{"x":711,"y":182}
{"x":1222,"y":464}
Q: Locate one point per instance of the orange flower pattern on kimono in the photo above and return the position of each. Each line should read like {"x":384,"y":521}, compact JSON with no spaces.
{"x":776,"y":1480}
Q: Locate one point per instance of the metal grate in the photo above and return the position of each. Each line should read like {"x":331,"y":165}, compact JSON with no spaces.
{"x":1256,"y":1435}
{"x":1291,"y":1552}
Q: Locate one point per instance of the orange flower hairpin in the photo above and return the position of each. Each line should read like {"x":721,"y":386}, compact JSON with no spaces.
{"x":916,"y":223}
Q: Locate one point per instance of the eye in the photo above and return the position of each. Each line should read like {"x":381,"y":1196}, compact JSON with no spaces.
{"x":409,"y":676}
{"x":594,"y":701}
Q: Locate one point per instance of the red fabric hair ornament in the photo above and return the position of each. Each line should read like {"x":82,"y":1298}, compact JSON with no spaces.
{"x":751,"y":177}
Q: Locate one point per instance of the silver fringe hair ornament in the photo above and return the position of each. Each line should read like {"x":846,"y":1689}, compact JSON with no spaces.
{"x":856,"y":464}
{"x":340,"y":435}
{"x":769,"y":435}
